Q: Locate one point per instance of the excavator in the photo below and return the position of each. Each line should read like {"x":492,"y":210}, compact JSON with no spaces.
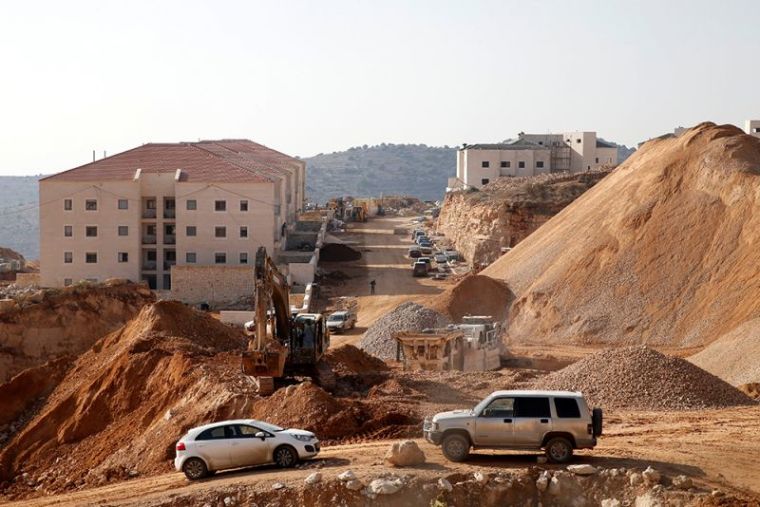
{"x":282,"y":344}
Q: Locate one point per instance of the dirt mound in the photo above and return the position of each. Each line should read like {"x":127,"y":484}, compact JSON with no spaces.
{"x":639,"y":378}
{"x":50,"y":323}
{"x":378,"y":339}
{"x":338,"y":252}
{"x":349,"y":360}
{"x":661,"y":251}
{"x":124,"y":403}
{"x":474,"y":295}
{"x":734,"y":356}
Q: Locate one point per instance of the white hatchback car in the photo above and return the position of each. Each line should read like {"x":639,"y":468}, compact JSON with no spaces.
{"x":207,"y":449}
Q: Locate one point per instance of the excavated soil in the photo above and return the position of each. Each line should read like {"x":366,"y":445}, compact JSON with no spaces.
{"x":639,"y":378}
{"x":378,"y":339}
{"x":338,"y":252}
{"x":474,"y":295}
{"x":735,"y":356}
{"x":122,"y":405}
{"x":663,"y":251}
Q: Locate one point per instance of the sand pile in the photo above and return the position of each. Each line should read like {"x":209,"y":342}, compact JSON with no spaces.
{"x":123,"y":404}
{"x":661,"y":251}
{"x":639,"y":378}
{"x":378,"y":339}
{"x":735,"y":356}
{"x":338,"y":252}
{"x":355,"y":370}
{"x":474,"y":295}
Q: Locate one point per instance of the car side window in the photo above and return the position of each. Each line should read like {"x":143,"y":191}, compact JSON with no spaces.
{"x":532,"y":407}
{"x":246,"y":431}
{"x":500,"y":407}
{"x":567,"y":408}
{"x":217,"y":433}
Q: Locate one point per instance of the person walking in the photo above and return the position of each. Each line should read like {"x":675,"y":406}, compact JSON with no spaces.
{"x":372,"y":287}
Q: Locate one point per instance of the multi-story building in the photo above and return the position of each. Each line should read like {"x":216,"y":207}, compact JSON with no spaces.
{"x":752,"y":127}
{"x":137,"y":214}
{"x":529,"y":155}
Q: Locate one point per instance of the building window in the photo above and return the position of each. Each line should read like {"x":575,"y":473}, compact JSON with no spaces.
{"x":91,"y":257}
{"x":597,"y":160}
{"x":485,"y":163}
{"x":67,"y":282}
{"x":150,"y":255}
{"x":68,"y":231}
{"x":190,"y":257}
{"x":484,"y":181}
{"x":220,"y":205}
{"x":243,"y":205}
{"x":757,"y":130}
{"x":578,"y":141}
{"x":505,"y":163}
{"x":150,"y":204}
{"x":123,"y":230}
{"x":192,"y":205}
{"x":220,"y":232}
{"x":67,"y":205}
{"x":220,"y":258}
{"x":91,"y":231}
{"x":243,"y":257}
{"x":91,"y":205}
{"x":521,"y":164}
{"x":540,"y":164}
{"x":123,"y":256}
{"x":243,"y":231}
{"x":68,"y":257}
{"x":123,"y":204}
{"x":190,"y":230}
{"x":541,"y":143}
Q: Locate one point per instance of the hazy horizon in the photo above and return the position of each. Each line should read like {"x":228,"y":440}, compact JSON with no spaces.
{"x":308,"y":78}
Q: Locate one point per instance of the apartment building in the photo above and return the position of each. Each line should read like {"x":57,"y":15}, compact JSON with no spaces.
{"x":752,"y":127}
{"x":529,"y":155}
{"x":139,"y":213}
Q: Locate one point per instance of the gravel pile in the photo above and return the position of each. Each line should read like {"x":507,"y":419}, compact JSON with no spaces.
{"x":378,"y":340}
{"x":639,"y":378}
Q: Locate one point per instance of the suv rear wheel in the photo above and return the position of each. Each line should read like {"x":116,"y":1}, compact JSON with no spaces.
{"x":559,"y":450}
{"x":195,"y":469}
{"x":455,"y":447}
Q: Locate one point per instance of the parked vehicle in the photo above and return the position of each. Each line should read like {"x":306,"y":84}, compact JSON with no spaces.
{"x":440,"y":258}
{"x":452,"y":255}
{"x":556,"y":421}
{"x":341,"y":321}
{"x":422,"y":239}
{"x":204,"y":450}
{"x":414,"y":252}
{"x":428,"y":262}
{"x":426,"y":249}
{"x":417,"y":232}
{"x":419,"y":269}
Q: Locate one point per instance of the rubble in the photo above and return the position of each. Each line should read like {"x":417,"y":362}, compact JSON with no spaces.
{"x":378,"y":339}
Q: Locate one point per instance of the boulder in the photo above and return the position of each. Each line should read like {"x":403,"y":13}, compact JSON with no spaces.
{"x":583,"y":469}
{"x":385,"y":486}
{"x":314,"y":478}
{"x":405,"y":453}
{"x":611,"y":502}
{"x":444,"y":484}
{"x":635,"y":479}
{"x":346,"y":476}
{"x":682,"y":482}
{"x":543,"y":481}
{"x":354,"y":484}
{"x":651,"y":476}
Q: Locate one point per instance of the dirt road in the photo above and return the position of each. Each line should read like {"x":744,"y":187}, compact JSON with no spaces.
{"x":384,"y":260}
{"x":717,"y":449}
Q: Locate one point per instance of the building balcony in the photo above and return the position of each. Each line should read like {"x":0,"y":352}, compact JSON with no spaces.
{"x":170,"y":239}
{"x":149,"y":213}
{"x":170,"y":213}
{"x":149,"y":266}
{"x":149,"y":239}
{"x":168,"y":265}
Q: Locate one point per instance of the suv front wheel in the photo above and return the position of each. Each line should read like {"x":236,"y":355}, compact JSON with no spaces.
{"x":559,"y":450}
{"x":455,"y":447}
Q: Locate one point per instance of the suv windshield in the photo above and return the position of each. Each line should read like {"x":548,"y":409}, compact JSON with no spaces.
{"x":335,"y":318}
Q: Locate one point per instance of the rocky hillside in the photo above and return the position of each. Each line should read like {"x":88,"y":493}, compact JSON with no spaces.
{"x":662,"y":251}
{"x":391,"y":169}
{"x":503,"y":213}
{"x":19,"y":215}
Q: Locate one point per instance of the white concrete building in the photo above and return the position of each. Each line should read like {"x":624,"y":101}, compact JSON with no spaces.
{"x":529,"y":155}
{"x":752,"y":127}
{"x":137,"y":214}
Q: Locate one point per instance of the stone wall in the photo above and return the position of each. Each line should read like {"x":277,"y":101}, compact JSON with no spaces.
{"x":27,"y":279}
{"x":219,"y":286}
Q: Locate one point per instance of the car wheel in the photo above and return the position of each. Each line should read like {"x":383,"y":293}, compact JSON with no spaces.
{"x":559,"y":450}
{"x":195,"y":469}
{"x":285,"y":457}
{"x":455,"y":447}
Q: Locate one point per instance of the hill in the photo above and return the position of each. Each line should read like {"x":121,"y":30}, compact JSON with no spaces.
{"x":19,"y":215}
{"x":662,"y":251}
{"x":391,"y":169}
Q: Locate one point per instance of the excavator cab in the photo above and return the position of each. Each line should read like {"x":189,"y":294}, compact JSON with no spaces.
{"x":309,"y":339}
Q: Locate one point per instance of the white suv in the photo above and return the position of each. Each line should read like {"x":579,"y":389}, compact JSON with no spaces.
{"x":204,"y":450}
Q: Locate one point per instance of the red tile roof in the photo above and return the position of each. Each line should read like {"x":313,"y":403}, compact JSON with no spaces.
{"x":223,"y":161}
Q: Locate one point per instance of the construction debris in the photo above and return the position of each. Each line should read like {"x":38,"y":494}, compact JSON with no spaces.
{"x":378,"y":339}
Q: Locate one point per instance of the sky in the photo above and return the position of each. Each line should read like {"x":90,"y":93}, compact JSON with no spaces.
{"x":309,"y":77}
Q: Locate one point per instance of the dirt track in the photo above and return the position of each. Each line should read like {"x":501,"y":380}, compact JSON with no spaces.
{"x":383,"y":260}
{"x":716,"y":448}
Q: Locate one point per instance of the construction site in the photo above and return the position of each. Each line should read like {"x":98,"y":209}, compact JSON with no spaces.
{"x":637,"y":286}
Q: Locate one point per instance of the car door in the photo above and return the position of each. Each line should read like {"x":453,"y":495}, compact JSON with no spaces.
{"x":493,"y":426}
{"x":213,"y":445}
{"x":246,"y":449}
{"x":533,"y":419}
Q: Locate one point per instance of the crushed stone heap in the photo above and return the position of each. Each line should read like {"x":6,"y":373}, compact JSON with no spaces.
{"x":640,"y":378}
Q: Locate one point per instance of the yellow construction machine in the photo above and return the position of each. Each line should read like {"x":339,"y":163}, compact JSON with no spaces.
{"x":280,"y":343}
